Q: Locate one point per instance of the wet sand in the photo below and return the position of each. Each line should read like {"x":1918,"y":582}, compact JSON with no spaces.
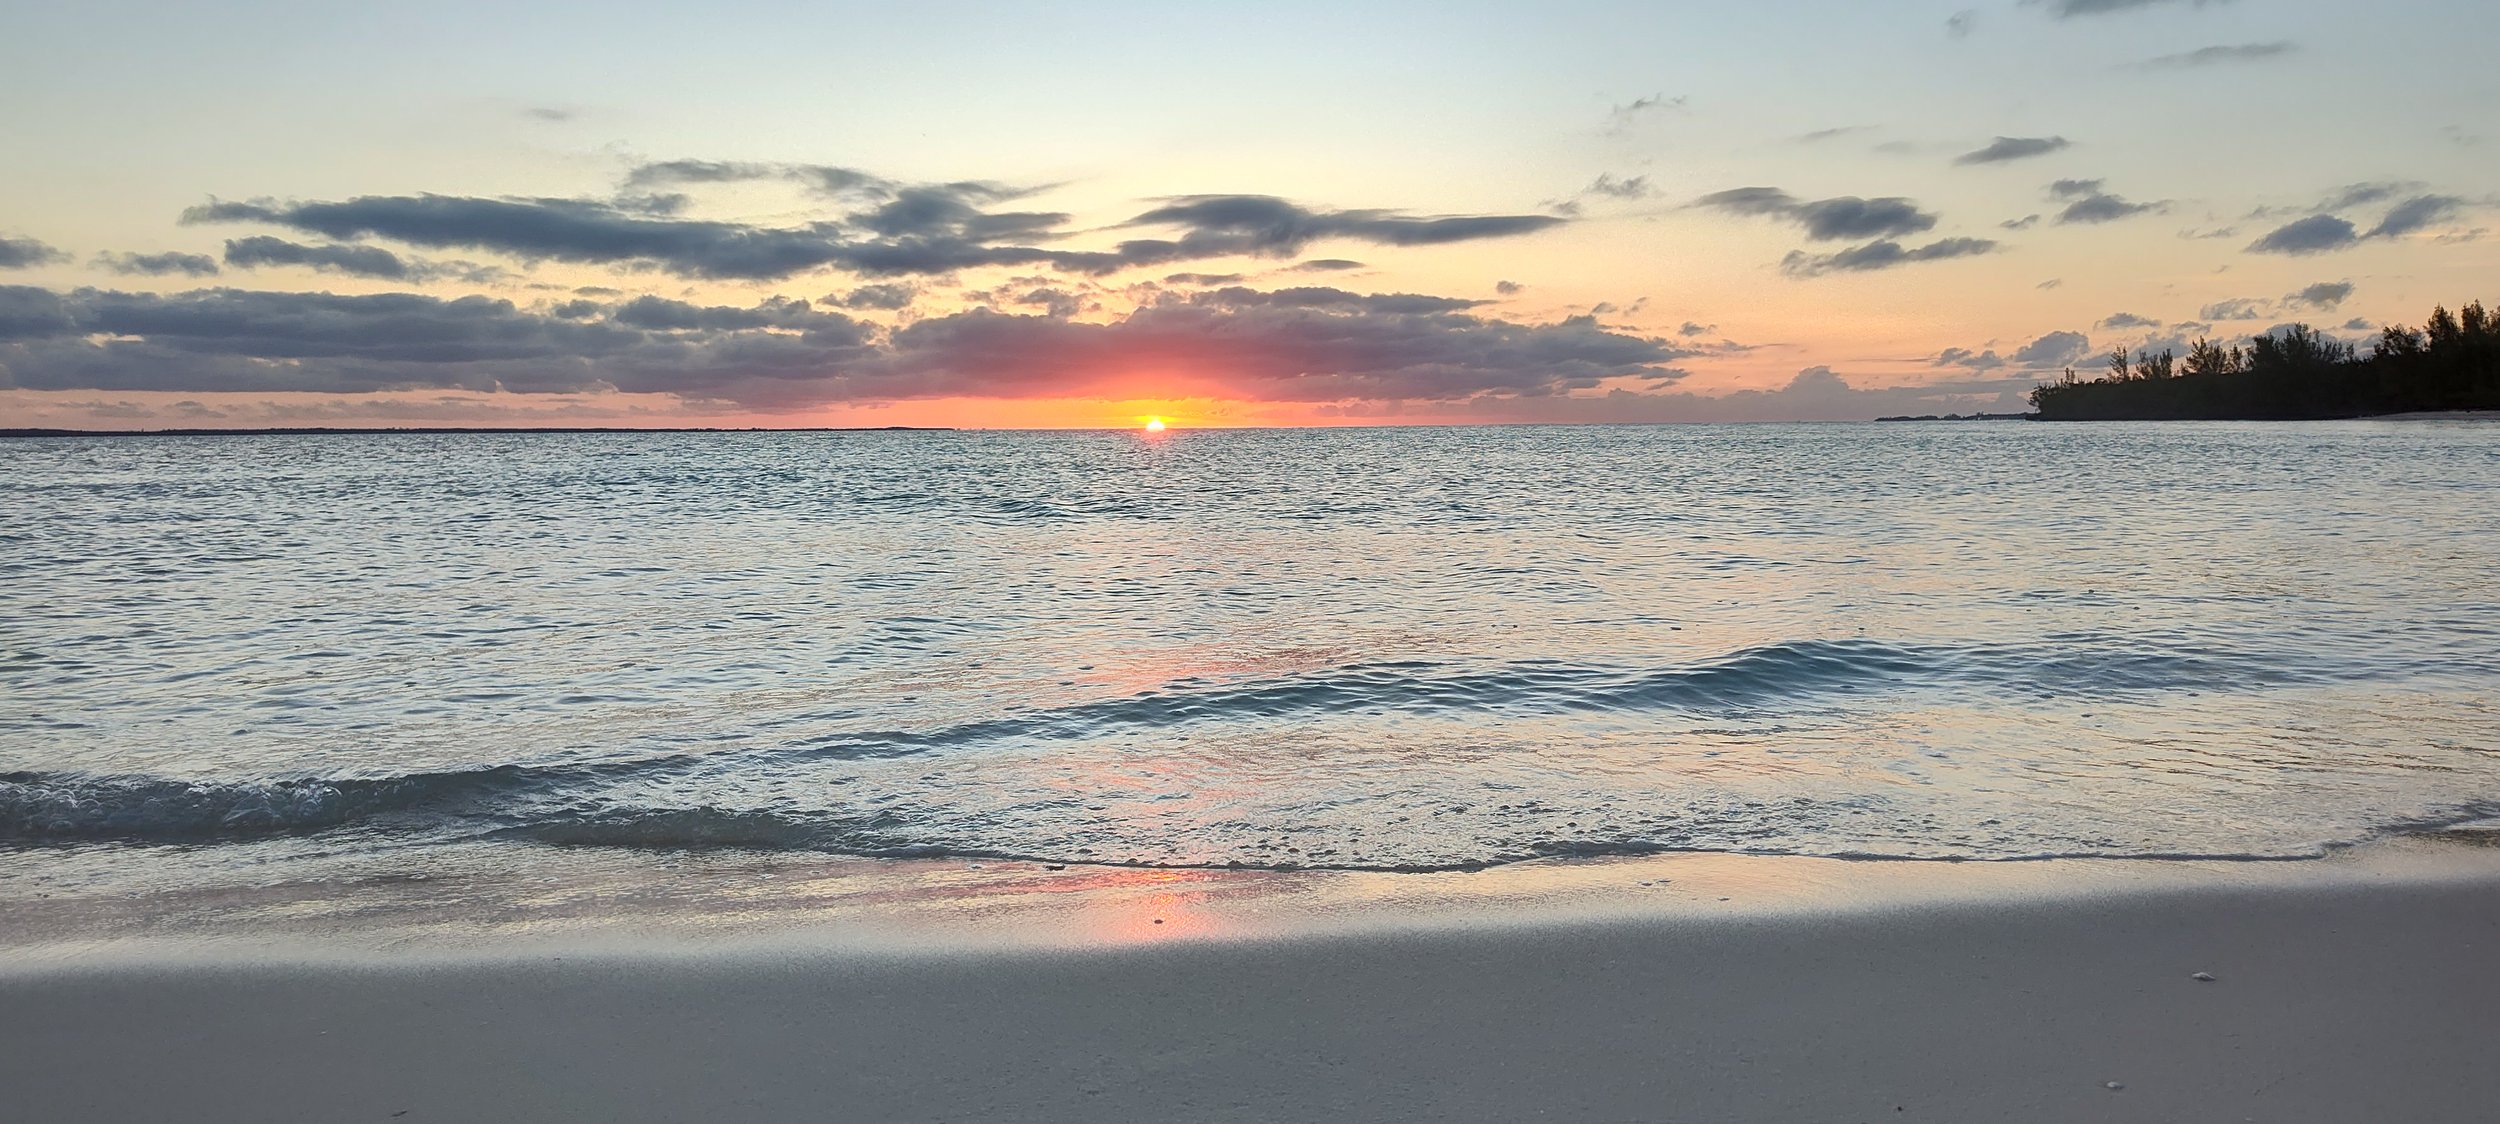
{"x":2342,"y":992}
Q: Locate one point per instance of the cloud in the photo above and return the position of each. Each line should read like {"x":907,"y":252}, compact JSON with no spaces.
{"x":883,"y":298}
{"x":1691,"y":328}
{"x":903,"y":230}
{"x":1327,"y":265}
{"x":2360,"y":195}
{"x":548,"y":113}
{"x":1959,"y":24}
{"x":1622,"y":117}
{"x":2316,"y":234}
{"x":2051,"y":283}
{"x":2003,"y":149}
{"x":1268,"y":226}
{"x":1881,"y":255}
{"x":1966,"y":358}
{"x":26,"y":253}
{"x":1820,"y":135}
{"x":1635,"y":187}
{"x":1202,"y":278}
{"x":2055,"y":349}
{"x":2069,"y":9}
{"x":1307,"y":344}
{"x":2324,"y":294}
{"x":1813,"y":394}
{"x":2236,"y":308}
{"x":2128,"y":320}
{"x":2208,"y":56}
{"x":360,"y":261}
{"x":159,"y":265}
{"x":2087,"y":203}
{"x":2320,"y":296}
{"x":823,"y":179}
{"x":1840,"y":217}
{"x":1509,"y":288}
{"x":2024,"y":223}
{"x":2415,"y":213}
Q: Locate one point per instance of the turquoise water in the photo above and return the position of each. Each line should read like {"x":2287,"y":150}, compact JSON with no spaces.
{"x":1384,"y":649}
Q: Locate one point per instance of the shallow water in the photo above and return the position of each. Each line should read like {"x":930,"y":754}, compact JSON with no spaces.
{"x":1387,"y":649}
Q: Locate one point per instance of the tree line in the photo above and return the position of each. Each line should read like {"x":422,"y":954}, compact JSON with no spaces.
{"x":2451,"y":363}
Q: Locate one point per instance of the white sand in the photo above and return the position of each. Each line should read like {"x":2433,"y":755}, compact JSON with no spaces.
{"x":2370,"y":995}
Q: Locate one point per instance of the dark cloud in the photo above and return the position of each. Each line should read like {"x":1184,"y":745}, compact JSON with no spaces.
{"x":2415,"y":213}
{"x":2055,"y":349}
{"x":2069,"y":9}
{"x":1269,"y":226}
{"x":1313,"y":296}
{"x":1058,"y":303}
{"x":159,"y":265}
{"x":2358,"y":324}
{"x":2051,"y":283}
{"x":2047,"y":353}
{"x":1509,"y":288}
{"x":663,"y":314}
{"x":2363,"y":194}
{"x":570,"y":230}
{"x":1967,"y":359}
{"x":919,"y":229}
{"x":1881,"y":255}
{"x":2324,"y":294}
{"x":884,"y":298}
{"x":26,"y":253}
{"x":1824,"y":220}
{"x":1691,"y":328}
{"x":2344,"y":198}
{"x":2087,"y":203}
{"x":1327,"y":265}
{"x":2316,"y":234}
{"x":360,"y":261}
{"x":2003,"y":149}
{"x":2321,"y":296}
{"x":1202,"y":278}
{"x":2024,"y":223}
{"x":823,"y":179}
{"x":1306,"y":344}
{"x":2208,"y":56}
{"x":2128,"y":320}
{"x":2105,"y":208}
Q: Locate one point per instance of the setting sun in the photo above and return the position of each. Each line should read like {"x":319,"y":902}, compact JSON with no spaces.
{"x":1154,"y":425}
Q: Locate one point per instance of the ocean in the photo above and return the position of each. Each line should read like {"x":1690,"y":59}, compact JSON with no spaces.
{"x":1395,"y":649}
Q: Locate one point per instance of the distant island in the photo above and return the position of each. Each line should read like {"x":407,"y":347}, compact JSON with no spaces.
{"x":334,"y":431}
{"x":1956,"y":417}
{"x":2451,"y":363}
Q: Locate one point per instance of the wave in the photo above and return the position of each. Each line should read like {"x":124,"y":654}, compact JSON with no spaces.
{"x":563,"y":802}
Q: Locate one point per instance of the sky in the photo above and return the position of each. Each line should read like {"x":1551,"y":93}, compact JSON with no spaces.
{"x":1063,"y":215}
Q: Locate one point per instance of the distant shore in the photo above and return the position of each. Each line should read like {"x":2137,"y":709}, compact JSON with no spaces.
{"x":2351,"y":988}
{"x":363,"y":431}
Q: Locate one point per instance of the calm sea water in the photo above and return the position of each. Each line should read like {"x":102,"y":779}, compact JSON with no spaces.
{"x":1394,"y":648}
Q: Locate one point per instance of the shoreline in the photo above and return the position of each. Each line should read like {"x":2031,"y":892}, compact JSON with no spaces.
{"x":503,"y":900}
{"x":2353,"y":987}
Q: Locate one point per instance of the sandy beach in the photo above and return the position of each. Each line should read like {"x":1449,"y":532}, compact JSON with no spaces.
{"x":2355,"y":988}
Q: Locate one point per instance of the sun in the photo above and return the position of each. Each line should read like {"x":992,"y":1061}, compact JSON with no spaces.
{"x":1154,"y":425}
